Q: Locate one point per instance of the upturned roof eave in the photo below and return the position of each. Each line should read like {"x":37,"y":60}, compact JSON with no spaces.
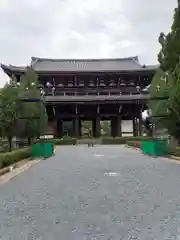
{"x":10,"y":70}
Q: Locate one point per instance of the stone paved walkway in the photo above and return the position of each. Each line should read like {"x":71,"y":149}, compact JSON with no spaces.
{"x":106,"y":192}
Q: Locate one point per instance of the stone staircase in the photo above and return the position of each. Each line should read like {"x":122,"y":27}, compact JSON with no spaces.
{"x":84,"y":141}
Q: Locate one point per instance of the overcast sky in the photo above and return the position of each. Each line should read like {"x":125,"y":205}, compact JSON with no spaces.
{"x":81,"y":28}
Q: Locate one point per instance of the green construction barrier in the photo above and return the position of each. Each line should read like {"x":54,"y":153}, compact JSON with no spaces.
{"x":37,"y":150}
{"x":48,"y":149}
{"x":156,"y":147}
{"x":42,"y":149}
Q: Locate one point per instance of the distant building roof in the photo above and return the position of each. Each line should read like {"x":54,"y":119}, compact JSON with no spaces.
{"x":82,"y":65}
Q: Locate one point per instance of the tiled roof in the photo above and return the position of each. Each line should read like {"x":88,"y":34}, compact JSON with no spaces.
{"x":83,"y":65}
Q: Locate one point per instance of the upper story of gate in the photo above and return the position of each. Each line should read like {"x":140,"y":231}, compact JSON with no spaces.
{"x":89,"y":77}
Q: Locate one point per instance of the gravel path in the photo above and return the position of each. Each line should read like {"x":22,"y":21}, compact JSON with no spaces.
{"x":76,"y":195}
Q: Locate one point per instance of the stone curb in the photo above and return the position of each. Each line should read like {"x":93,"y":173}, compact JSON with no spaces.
{"x":10,"y":175}
{"x":174,"y":157}
{"x":14,"y":166}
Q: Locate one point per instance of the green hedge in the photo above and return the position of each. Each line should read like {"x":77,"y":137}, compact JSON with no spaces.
{"x":59,"y":141}
{"x":123,"y":140}
{"x":15,"y":156}
{"x":65,"y":141}
{"x":174,"y":151}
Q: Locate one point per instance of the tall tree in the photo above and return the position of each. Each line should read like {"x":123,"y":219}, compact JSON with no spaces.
{"x":160,"y":108}
{"x":34,"y":113}
{"x":169,"y":55}
{"x":169,"y":58}
{"x":174,"y":104}
{"x":160,"y":87}
{"x":8,"y":109}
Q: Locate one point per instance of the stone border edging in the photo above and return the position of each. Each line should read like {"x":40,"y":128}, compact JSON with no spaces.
{"x":15,"y":172}
{"x":14,"y":166}
{"x":174,"y":157}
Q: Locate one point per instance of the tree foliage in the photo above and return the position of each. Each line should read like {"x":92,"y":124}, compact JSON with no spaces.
{"x":8,"y":109}
{"x":161,"y":108}
{"x":166,"y":81}
{"x":170,"y":44}
{"x":33,"y":114}
{"x":18,"y":118}
{"x":160,"y":87}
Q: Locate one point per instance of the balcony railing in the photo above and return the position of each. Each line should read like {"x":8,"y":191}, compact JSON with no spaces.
{"x":92,"y":91}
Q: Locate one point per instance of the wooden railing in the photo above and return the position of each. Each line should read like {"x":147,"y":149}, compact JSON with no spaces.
{"x":92,"y":91}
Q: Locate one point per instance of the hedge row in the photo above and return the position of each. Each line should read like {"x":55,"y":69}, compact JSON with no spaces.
{"x":105,"y":140}
{"x":123,"y":140}
{"x":65,"y":141}
{"x":174,"y":151}
{"x":15,"y":156}
{"x":60,"y":141}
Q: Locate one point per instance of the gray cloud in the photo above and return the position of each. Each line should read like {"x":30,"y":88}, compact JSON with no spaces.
{"x":81,"y":28}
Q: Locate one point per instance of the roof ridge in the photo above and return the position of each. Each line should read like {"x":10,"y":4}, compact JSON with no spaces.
{"x":35,"y":59}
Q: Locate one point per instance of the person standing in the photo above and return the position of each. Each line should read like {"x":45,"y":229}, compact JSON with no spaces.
{"x":90,"y":144}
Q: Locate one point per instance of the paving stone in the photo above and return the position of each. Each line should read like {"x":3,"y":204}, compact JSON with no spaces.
{"x":69,"y":196}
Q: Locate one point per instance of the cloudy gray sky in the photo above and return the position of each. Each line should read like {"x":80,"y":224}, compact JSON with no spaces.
{"x":81,"y":28}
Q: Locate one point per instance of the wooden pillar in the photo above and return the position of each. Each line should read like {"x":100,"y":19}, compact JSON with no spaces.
{"x":59,"y":132}
{"x":140,"y":125}
{"x":96,"y":127}
{"x":51,"y":128}
{"x":76,"y":127}
{"x":80,"y":128}
{"x":118,"y":126}
{"x":93,"y":128}
{"x":135,"y":127}
{"x":113,"y":126}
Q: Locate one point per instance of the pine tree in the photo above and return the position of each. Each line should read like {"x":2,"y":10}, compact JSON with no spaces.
{"x":160,"y":107}
{"x":169,"y":55}
{"x":32,"y":114}
{"x":169,"y":58}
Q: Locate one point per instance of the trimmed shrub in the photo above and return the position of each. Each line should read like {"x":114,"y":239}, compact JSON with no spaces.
{"x":65,"y":141}
{"x":59,"y":141}
{"x":123,"y":140}
{"x":175,"y":151}
{"x":15,"y":156}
